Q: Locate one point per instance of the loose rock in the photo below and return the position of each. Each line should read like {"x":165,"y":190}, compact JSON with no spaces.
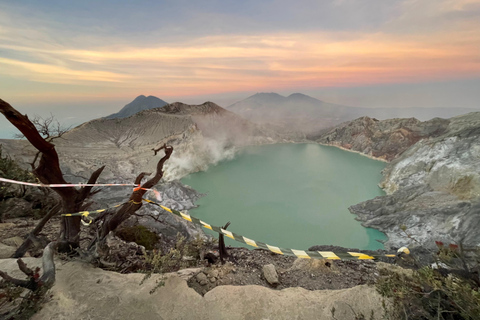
{"x":6,"y":251}
{"x":202,"y":278}
{"x":270,"y":274}
{"x":13,"y":241}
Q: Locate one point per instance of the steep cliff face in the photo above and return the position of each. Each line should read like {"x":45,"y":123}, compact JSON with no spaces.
{"x":449,"y":162}
{"x":385,"y":139}
{"x":433,"y":189}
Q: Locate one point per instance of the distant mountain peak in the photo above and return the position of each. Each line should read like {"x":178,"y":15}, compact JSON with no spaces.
{"x":182,"y":108}
{"x":303,"y":97}
{"x":300,"y":95}
{"x":297,"y":111}
{"x":267,"y":94}
{"x":140,"y":103}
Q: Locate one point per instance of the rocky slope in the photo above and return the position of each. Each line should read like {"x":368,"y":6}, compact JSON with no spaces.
{"x":201,"y":136}
{"x":84,"y":292}
{"x":385,"y":139}
{"x":433,"y":187}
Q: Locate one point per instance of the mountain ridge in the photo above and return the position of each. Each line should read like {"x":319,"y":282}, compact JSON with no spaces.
{"x":138,"y":104}
{"x":432,"y":180}
{"x":311,"y":115}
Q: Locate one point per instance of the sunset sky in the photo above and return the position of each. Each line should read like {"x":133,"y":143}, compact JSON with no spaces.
{"x":85,"y":59}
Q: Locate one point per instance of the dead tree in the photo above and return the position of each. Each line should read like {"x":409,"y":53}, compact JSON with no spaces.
{"x":49,"y":128}
{"x":36,"y":282}
{"x":222,"y":250}
{"x":48,"y":172}
{"x":73,"y":200}
{"x":32,"y":236}
{"x":109,"y":222}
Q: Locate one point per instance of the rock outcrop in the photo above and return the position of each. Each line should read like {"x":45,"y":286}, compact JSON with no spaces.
{"x":433,"y":189}
{"x":84,"y":292}
{"x":385,"y":139}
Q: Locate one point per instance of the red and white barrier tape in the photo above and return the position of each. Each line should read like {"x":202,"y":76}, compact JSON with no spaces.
{"x":70,"y":184}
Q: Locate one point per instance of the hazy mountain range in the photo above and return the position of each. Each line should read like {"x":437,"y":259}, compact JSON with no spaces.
{"x":301,"y":112}
{"x":297,"y":112}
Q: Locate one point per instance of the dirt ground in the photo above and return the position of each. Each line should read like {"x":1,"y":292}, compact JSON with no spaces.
{"x":244,"y":266}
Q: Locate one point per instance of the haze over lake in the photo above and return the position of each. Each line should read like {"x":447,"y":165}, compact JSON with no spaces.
{"x":291,"y":195}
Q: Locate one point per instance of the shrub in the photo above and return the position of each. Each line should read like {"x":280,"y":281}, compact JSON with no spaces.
{"x":140,"y":235}
{"x":428,"y":293}
{"x":183,"y":255}
{"x":9,"y":169}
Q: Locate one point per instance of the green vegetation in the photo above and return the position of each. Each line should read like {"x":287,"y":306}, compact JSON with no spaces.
{"x":19,"y":304}
{"x":140,"y":235}
{"x":449,"y":292}
{"x":36,"y":203}
{"x":184,"y":254}
{"x":9,"y":169}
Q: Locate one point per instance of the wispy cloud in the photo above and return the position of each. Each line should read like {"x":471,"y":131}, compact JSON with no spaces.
{"x":428,"y":40}
{"x":58,"y":74}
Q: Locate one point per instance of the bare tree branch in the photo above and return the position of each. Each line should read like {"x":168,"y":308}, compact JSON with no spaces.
{"x":35,"y":281}
{"x":222,"y":250}
{"x":139,"y":178}
{"x":48,"y":171}
{"x":19,"y":283}
{"x":23,"y":267}
{"x":110,"y":222}
{"x":49,"y":128}
{"x":85,"y":192}
{"x":32,"y":235}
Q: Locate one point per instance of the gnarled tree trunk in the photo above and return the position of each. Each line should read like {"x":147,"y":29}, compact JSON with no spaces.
{"x":109,"y":222}
{"x":73,"y":200}
{"x":48,"y":172}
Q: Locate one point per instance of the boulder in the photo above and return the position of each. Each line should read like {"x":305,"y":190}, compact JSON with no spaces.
{"x":13,"y":241}
{"x":202,"y":278}
{"x":6,"y":226}
{"x":270,"y":274}
{"x":6,"y":251}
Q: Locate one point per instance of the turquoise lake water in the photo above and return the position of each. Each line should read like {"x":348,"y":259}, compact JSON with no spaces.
{"x":290,"y":195}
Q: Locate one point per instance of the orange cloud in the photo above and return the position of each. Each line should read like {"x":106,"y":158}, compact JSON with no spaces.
{"x":242,"y":63}
{"x":58,"y":74}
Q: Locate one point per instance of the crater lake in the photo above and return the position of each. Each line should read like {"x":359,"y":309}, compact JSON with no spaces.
{"x":290,"y":195}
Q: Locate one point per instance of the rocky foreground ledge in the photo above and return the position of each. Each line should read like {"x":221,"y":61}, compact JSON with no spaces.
{"x":432,"y":181}
{"x":84,"y":292}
